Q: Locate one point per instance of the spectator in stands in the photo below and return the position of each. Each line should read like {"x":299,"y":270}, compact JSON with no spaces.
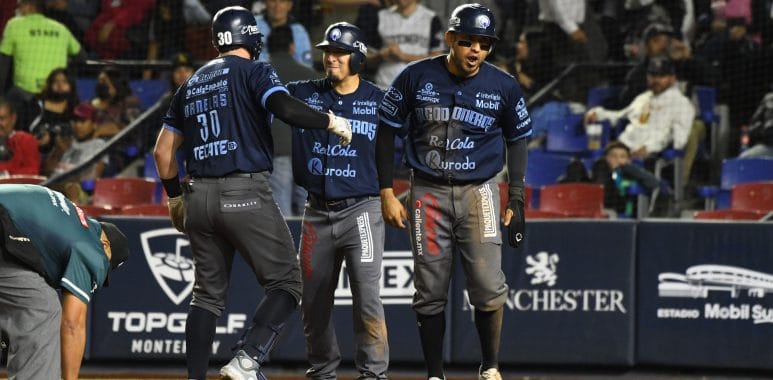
{"x":118,"y":29}
{"x":55,"y":105}
{"x":57,"y":10}
{"x":290,"y":197}
{"x":616,"y":172}
{"x":182,"y":69}
{"x":166,"y":34}
{"x":761,"y":130}
{"x":18,"y":149}
{"x":33,"y":45}
{"x":658,"y":118}
{"x":115,"y":105}
{"x":407,"y":31}
{"x":659,"y":40}
{"x":84,"y":12}
{"x":277,"y":14}
{"x":73,"y":150}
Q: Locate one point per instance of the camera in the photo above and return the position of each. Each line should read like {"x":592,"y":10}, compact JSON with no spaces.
{"x":54,"y":129}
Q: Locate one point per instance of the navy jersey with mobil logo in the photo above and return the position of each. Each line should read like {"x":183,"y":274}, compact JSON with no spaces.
{"x":456,"y":127}
{"x":320,"y":164}
{"x":220,"y":111}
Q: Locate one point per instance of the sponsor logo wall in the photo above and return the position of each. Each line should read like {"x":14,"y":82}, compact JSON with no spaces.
{"x":571,"y":297}
{"x":705,"y":294}
{"x":142,"y":314}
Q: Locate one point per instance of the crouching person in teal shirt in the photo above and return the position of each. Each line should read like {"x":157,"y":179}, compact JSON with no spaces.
{"x":48,"y":243}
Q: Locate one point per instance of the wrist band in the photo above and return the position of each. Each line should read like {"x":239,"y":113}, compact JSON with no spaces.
{"x":172,"y":187}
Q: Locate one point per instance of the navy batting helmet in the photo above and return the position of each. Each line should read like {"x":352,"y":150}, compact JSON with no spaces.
{"x":348,"y":37}
{"x":236,"y":27}
{"x":473,"y":19}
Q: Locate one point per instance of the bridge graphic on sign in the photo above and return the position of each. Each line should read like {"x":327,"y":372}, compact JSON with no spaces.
{"x":699,"y":280}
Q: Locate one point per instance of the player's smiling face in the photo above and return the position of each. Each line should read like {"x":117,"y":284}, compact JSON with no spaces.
{"x":467,"y":53}
{"x":336,"y":63}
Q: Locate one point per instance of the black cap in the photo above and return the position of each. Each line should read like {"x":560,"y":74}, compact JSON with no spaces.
{"x":119,"y":246}
{"x":660,"y":66}
{"x":181,"y":59}
{"x":656,"y":29}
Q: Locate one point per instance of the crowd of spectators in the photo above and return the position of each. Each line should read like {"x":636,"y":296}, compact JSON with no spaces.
{"x":724,"y":44}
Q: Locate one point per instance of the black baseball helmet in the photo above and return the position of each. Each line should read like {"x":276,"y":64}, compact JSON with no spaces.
{"x":473,"y":19}
{"x":345,"y":36}
{"x":236,"y":27}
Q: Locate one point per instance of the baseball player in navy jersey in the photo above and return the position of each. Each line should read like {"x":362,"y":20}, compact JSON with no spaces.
{"x":461,"y":115}
{"x":220,"y":118}
{"x":342,"y":220}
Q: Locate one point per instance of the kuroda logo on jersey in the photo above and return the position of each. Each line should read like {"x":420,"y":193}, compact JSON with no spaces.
{"x":173,"y":271}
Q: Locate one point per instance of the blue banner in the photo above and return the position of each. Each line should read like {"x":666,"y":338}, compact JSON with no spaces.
{"x":142,"y":314}
{"x":571,"y":298}
{"x":705,"y":294}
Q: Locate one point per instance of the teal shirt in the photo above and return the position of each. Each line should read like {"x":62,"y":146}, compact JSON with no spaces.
{"x":67,"y":241}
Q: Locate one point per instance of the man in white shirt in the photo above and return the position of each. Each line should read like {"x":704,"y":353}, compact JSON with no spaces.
{"x":658,"y":118}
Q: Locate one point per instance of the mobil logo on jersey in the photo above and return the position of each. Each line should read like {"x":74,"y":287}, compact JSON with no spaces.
{"x":486,"y":100}
{"x":396,"y":280}
{"x":716,"y":292}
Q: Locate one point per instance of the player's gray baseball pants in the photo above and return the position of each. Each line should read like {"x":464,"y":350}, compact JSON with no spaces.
{"x":237,"y":213}
{"x":30,"y":313}
{"x":456,"y":218}
{"x":356,"y":235}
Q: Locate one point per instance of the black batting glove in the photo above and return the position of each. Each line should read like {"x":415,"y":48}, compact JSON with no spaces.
{"x":516,"y":231}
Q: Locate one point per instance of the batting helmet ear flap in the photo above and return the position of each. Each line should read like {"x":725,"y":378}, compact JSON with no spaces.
{"x":356,"y":62}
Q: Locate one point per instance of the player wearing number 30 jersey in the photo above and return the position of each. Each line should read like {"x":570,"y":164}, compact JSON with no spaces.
{"x":460,"y":115}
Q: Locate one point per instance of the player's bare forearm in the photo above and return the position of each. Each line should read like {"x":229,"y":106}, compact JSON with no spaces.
{"x":73,"y":335}
{"x":164,"y":153}
{"x":392,"y":210}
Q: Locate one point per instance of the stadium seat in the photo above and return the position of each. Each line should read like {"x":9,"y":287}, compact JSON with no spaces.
{"x":597,"y":96}
{"x":23,"y":179}
{"x":736,"y":171}
{"x":754,"y":196}
{"x":119,"y":192}
{"x":147,"y":91}
{"x":729,"y":214}
{"x":97,"y":211}
{"x":568,"y":136}
{"x":504,"y":197}
{"x":146,"y":209}
{"x":580,"y":200}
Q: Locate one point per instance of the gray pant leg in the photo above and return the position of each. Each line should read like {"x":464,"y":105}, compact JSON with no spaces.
{"x":430,"y":233}
{"x":30,"y":313}
{"x":362,"y":234}
{"x":479,"y":241}
{"x":320,"y":266}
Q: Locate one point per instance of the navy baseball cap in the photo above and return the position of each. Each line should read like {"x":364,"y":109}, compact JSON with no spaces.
{"x":119,"y":247}
{"x":660,"y":66}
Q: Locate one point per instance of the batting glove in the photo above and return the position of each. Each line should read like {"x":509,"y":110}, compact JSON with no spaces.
{"x":517,"y":228}
{"x":176,"y":207}
{"x":340,"y":127}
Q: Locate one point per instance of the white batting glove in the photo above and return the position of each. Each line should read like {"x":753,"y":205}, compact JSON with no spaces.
{"x":340,"y":127}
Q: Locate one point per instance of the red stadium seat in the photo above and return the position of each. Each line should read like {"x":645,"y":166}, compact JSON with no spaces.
{"x":119,"y":192}
{"x":146,"y":209}
{"x":97,"y":211}
{"x":753,"y":196}
{"x":23,"y":179}
{"x":729,"y":214}
{"x":574,"y":200}
{"x":504,"y":197}
{"x":539,"y":214}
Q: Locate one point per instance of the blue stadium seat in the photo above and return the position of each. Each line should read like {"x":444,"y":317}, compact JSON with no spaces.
{"x":568,"y":136}
{"x":597,"y":96}
{"x":735,"y":171}
{"x":148,"y":91}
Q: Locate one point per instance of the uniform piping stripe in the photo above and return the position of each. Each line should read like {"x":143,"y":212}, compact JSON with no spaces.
{"x":390,"y":122}
{"x":77,"y":289}
{"x":269,"y":92}
{"x":367,"y":256}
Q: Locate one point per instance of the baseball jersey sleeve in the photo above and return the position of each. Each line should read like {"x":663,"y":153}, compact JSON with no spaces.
{"x":264,"y":81}
{"x":395,"y":108}
{"x":73,"y":46}
{"x":172,"y":120}
{"x":78,"y":279}
{"x":516,"y":122}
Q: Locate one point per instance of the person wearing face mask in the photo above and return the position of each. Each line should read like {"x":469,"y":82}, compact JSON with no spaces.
{"x":114,"y":103}
{"x":55,"y":107}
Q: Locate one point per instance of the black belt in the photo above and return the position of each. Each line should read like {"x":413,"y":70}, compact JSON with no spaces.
{"x":336,"y":204}
{"x":446,"y":180}
{"x":234,"y":175}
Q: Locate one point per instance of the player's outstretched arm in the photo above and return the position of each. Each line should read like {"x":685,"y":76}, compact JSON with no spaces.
{"x":73,"y":335}
{"x":299,"y":115}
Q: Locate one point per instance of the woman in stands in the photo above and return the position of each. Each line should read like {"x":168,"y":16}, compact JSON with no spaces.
{"x":55,"y":109}
{"x":115,"y":105}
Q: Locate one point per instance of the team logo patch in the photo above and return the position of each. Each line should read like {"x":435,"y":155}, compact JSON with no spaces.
{"x":482,"y":22}
{"x":335,"y":34}
{"x":169,"y":257}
